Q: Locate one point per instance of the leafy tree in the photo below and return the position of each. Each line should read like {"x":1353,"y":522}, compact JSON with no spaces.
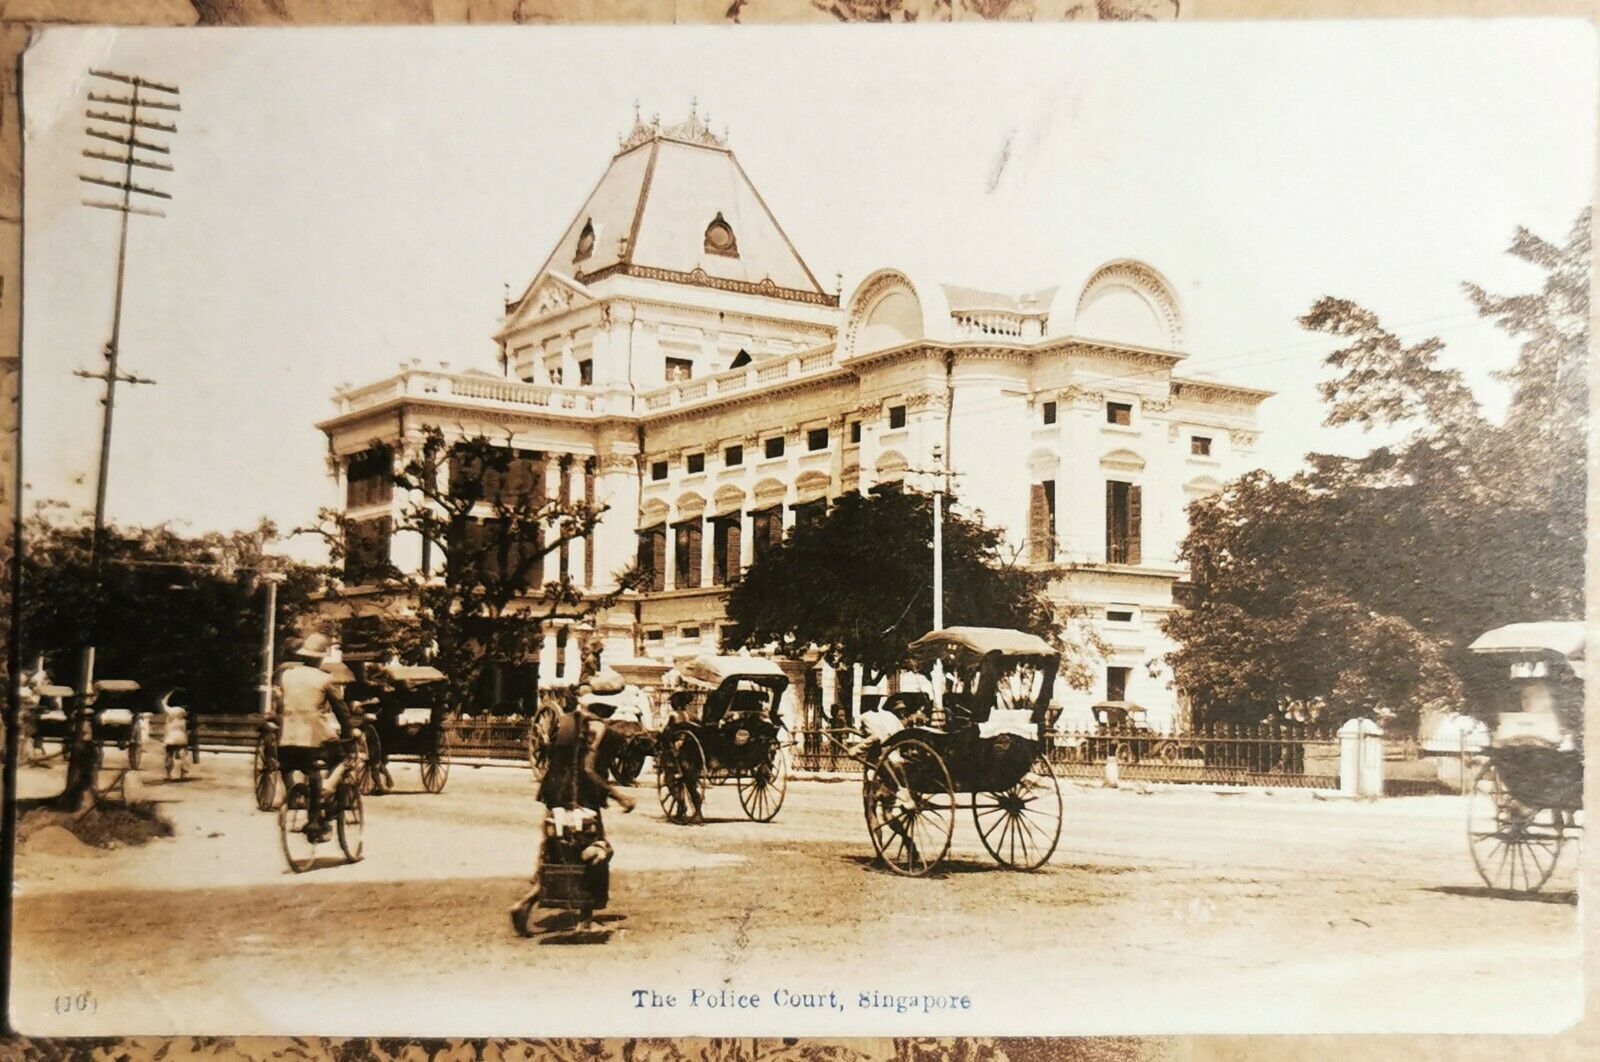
{"x":481,"y":507}
{"x":1355,"y":586}
{"x":856,"y":584}
{"x":170,"y":610}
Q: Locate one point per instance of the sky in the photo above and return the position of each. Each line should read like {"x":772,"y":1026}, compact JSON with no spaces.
{"x":346,"y":200}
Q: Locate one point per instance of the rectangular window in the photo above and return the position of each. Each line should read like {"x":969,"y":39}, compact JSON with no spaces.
{"x":653,"y":636}
{"x":658,"y":470}
{"x":1119,"y":413}
{"x":652,"y":558}
{"x":694,"y":464}
{"x":725,"y":550}
{"x":1122,"y":523}
{"x":369,"y":478}
{"x":817,"y":439}
{"x":586,"y":373}
{"x":733,"y":456}
{"x":552,"y":369}
{"x":766,"y":531}
{"x":1119,"y":615}
{"x":505,"y":476}
{"x":1042,"y":522}
{"x":897,"y":417}
{"x":855,"y":432}
{"x":367,"y":550}
{"x":679,"y":369}
{"x":1049,"y":412}
{"x":690,"y":633}
{"x":1117,"y":683}
{"x":774,"y":446}
{"x":1200,"y":445}
{"x":686,"y":543}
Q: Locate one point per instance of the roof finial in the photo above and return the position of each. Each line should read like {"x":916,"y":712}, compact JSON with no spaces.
{"x":694,"y":103}
{"x":636,"y":110}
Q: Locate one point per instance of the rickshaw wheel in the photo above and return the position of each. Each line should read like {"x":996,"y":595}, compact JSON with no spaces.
{"x":910,"y":806}
{"x":540,"y":731}
{"x":351,"y":823}
{"x":1021,"y":827}
{"x":266,"y":776}
{"x":761,"y":791}
{"x":299,"y":851}
{"x":629,"y":764}
{"x":1514,"y":847}
{"x":436,"y":763}
{"x":681,"y":776}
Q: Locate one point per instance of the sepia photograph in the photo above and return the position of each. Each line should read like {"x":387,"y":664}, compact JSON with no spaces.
{"x":1003,"y":530}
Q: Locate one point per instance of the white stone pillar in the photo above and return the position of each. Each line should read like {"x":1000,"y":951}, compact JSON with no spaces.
{"x":615,"y":536}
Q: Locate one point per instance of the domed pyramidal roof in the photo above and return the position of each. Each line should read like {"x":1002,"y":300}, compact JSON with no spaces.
{"x":675,"y":205}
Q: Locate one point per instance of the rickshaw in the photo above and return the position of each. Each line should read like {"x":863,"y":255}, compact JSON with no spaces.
{"x":1527,"y":797}
{"x":724,"y":726}
{"x":1121,"y":731}
{"x":409,"y":721}
{"x":988,"y":756}
{"x":48,"y":721}
{"x":115,"y":719}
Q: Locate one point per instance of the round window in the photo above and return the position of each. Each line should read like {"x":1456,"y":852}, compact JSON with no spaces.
{"x":719,"y":236}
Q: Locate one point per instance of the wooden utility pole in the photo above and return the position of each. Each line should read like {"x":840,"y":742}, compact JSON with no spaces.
{"x":125,"y":124}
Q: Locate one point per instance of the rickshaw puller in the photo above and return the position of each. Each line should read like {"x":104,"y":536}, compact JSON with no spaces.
{"x":581,"y":752}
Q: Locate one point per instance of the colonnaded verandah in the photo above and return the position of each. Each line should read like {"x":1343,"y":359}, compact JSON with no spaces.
{"x":675,"y":359}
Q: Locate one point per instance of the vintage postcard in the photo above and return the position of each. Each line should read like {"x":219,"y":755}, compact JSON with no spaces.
{"x":851,"y":531}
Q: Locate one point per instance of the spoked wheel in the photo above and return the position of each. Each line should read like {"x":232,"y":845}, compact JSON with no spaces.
{"x":681,"y":776}
{"x":1514,"y":847}
{"x":266,"y":774}
{"x":352,"y":819}
{"x":299,"y":850}
{"x":540,"y":733}
{"x":629,"y":764}
{"x":436,"y":763}
{"x":761,"y":791}
{"x":910,"y":806}
{"x":1021,"y":826}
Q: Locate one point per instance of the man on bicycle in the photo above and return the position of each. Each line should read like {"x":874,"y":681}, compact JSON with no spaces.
{"x":314,"y":722}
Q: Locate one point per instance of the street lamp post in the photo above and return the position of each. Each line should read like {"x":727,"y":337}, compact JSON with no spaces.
{"x":271,"y":579}
{"x":937,"y":676}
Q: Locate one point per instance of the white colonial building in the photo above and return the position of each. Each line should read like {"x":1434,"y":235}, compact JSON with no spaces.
{"x":675,"y":359}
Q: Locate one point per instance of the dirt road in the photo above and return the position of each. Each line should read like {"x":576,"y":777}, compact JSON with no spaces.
{"x":1165,"y":911}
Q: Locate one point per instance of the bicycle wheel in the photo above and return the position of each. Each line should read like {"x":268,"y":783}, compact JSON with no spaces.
{"x":266,"y":774}
{"x":351,"y":822}
{"x":299,"y":850}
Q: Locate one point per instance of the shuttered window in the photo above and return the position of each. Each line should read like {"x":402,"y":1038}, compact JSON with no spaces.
{"x":367,"y":550}
{"x":1042,"y":522}
{"x":725,"y":550}
{"x":1123,"y":518}
{"x":588,"y":540}
{"x":369,"y":478}
{"x":686,"y":544}
{"x":652,"y":557}
{"x":766,"y":531}
{"x":565,"y":497}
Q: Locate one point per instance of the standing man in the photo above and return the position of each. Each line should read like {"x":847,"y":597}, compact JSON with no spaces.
{"x":313,"y":719}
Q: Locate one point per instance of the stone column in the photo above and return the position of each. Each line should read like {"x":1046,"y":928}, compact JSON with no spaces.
{"x":615,"y":541}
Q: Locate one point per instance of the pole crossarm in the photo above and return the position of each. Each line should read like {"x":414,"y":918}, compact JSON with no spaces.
{"x":124,"y":209}
{"x":159,"y":105}
{"x":122,"y":377}
{"x":128,"y":186}
{"x":129,"y":120}
{"x":127,"y":160}
{"x":128,"y":141}
{"x":126,"y":79}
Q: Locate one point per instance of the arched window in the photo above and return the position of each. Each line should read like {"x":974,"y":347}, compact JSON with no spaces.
{"x":585,"y":241}
{"x":719,"y":238}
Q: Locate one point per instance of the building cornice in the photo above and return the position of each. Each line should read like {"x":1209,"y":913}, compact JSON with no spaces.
{"x":701,"y":279}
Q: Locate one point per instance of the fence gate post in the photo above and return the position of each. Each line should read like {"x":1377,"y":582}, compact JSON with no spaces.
{"x":1360,"y":759}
